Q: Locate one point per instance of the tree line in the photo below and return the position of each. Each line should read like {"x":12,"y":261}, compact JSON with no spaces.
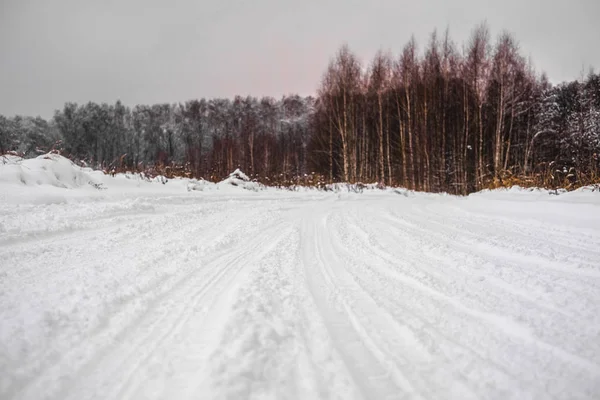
{"x":264,"y":137}
{"x":440,"y":119}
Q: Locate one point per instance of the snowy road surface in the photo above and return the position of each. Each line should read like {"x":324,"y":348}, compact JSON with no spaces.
{"x":277,"y":295}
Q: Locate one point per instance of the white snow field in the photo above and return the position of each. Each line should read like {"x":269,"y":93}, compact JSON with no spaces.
{"x":191,"y":290}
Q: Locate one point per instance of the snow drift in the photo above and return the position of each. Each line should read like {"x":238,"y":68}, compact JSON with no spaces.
{"x":238,"y":179}
{"x":52,"y":178}
{"x":48,"y":169}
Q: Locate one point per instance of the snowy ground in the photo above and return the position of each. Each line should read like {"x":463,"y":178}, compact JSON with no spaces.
{"x":151,"y":291}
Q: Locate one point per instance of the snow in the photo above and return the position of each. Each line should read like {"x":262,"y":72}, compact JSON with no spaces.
{"x":145,"y":290}
{"x":49,"y":169}
{"x":238,"y":179}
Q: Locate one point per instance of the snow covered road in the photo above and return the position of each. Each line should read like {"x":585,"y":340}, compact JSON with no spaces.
{"x":277,"y":295}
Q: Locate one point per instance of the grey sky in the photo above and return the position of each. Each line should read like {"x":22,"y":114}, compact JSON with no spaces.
{"x":150,"y":51}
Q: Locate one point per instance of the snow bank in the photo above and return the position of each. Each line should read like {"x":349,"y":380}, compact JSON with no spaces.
{"x":51,"y":179}
{"x":9,"y":159}
{"x":54,"y":179}
{"x":238,"y":179}
{"x":48,"y":169}
{"x":586,"y":194}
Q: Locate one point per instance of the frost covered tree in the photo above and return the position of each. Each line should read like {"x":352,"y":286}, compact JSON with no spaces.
{"x":8,"y":140}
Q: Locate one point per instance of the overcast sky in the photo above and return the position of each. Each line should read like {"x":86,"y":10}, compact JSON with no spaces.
{"x":150,"y":51}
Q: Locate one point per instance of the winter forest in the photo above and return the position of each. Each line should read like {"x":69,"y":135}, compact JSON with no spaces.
{"x":444,"y":117}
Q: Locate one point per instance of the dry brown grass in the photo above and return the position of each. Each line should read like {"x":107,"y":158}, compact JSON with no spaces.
{"x":547,"y":176}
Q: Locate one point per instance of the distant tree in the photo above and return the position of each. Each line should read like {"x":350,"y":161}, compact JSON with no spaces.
{"x":340,"y":88}
{"x":8,"y":140}
{"x":477,"y":73}
{"x":378,"y":87}
{"x":439,"y":120}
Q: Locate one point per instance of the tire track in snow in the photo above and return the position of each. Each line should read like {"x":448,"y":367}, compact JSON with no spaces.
{"x":430,"y":329}
{"x":501,"y":262}
{"x":343,"y":309}
{"x":143,"y":301}
{"x":409,"y":349}
{"x":225,"y":266}
{"x":513,"y":242}
{"x":344,"y":297}
{"x":398,"y":264}
{"x":258,"y":354}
